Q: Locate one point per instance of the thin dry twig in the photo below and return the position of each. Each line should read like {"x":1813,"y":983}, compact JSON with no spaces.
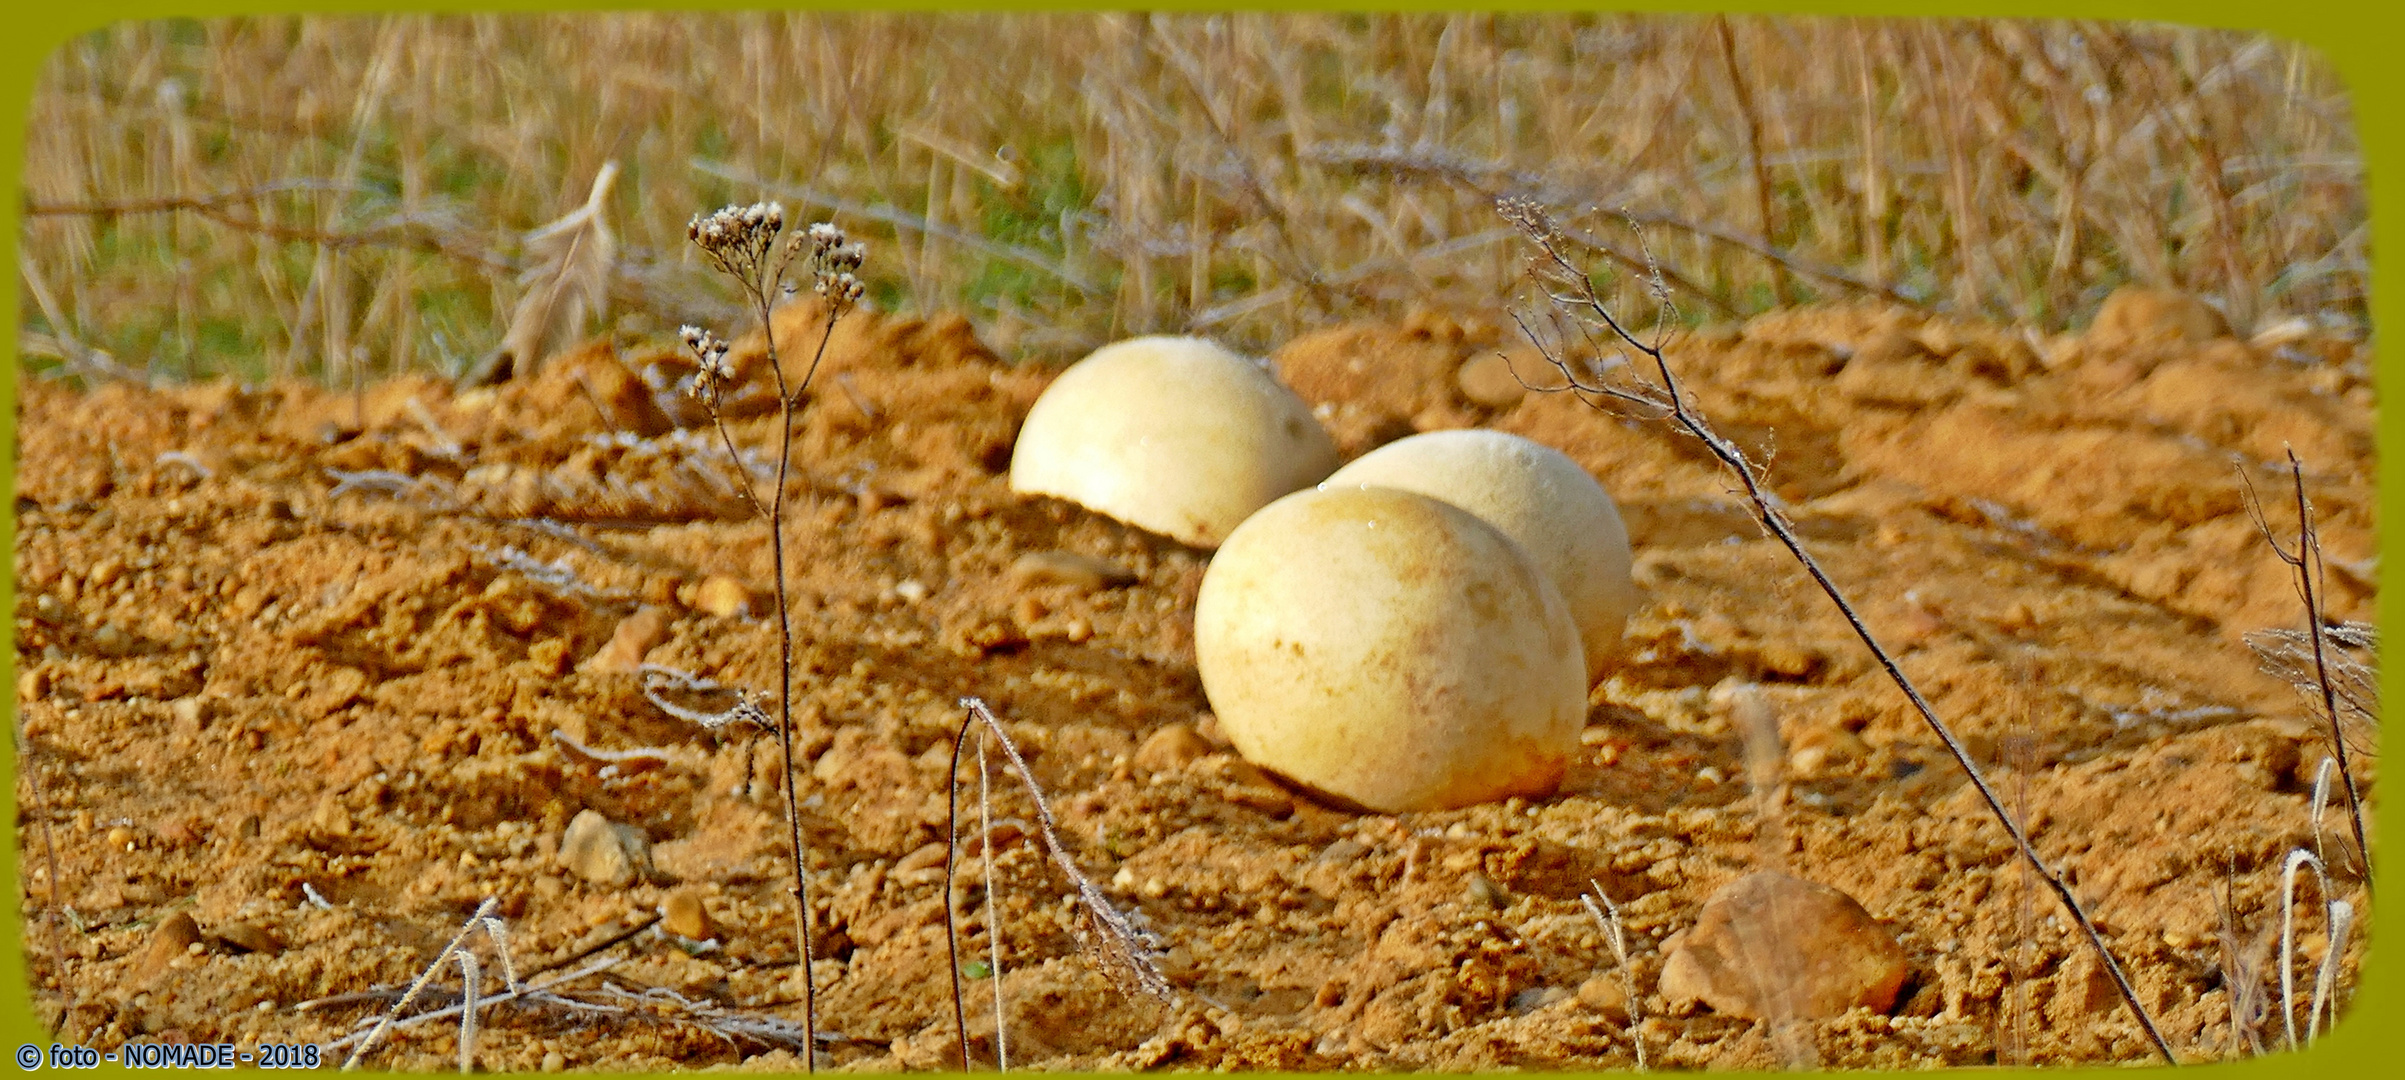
{"x":403,"y":231}
{"x":1570,"y":290}
{"x":2336,"y":915}
{"x":2352,"y":656}
{"x":1615,"y":933}
{"x":2241,"y":972}
{"x":41,"y":813}
{"x":1753,"y":148}
{"x":2305,"y":562}
{"x":654,"y":679}
{"x":531,"y":988}
{"x":993,"y":905}
{"x":1494,"y":181}
{"x":1110,"y":943}
{"x":491,"y":924}
{"x":903,"y":219}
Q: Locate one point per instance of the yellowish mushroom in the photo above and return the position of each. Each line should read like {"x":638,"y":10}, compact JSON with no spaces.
{"x":1391,"y":650}
{"x":1175,"y":435}
{"x":1537,"y":496}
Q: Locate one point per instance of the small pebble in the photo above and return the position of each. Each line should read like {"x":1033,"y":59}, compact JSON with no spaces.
{"x":1003,"y":834}
{"x":1536,"y":997}
{"x":1084,"y":573}
{"x":121,"y":838}
{"x":722,"y":596}
{"x":190,"y":711}
{"x":2083,"y":989}
{"x":1249,"y":786}
{"x":2137,"y":314}
{"x":928,"y":856}
{"x":1489,"y":381}
{"x":1889,"y":346}
{"x":172,"y":938}
{"x":599,"y":851}
{"x":1172,"y":748}
{"x":636,"y":636}
{"x":249,"y":938}
{"x":1820,"y":746}
{"x":683,"y":914}
{"x":1606,"y":994}
{"x":549,"y":656}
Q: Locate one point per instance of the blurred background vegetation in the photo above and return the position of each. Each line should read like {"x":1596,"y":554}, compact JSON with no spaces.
{"x":361,"y":196}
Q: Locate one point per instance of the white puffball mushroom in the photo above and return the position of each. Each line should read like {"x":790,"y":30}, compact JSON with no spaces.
{"x":1391,"y":650}
{"x":1537,"y":496}
{"x":1172,"y":434}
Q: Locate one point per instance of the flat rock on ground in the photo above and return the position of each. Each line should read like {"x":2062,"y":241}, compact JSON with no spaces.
{"x":1777,"y":947}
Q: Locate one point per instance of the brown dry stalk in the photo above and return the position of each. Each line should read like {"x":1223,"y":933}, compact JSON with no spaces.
{"x":2241,"y":971}
{"x":1492,"y":182}
{"x":470,"y":971}
{"x":41,"y":813}
{"x":1615,"y":934}
{"x":1752,"y":117}
{"x":2306,"y":564}
{"x":746,"y":243}
{"x":1572,"y":293}
{"x":1111,"y":944}
{"x":2336,"y":914}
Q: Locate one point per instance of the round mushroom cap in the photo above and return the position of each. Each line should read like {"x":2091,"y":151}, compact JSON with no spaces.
{"x":1536,"y":495}
{"x":1391,"y":651}
{"x":1172,"y":434}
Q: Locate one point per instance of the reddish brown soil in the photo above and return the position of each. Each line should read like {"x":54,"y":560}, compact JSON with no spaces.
{"x":238,"y":687}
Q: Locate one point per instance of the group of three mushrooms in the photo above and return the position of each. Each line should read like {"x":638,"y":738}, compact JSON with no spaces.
{"x":1415,"y":630}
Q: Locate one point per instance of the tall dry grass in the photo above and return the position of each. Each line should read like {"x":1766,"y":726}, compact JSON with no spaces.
{"x":348,"y":196}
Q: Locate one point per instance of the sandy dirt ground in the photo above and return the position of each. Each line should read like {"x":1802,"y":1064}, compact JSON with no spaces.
{"x":305,"y":676}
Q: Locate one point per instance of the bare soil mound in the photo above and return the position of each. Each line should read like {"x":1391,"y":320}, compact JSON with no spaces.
{"x":322,"y":672}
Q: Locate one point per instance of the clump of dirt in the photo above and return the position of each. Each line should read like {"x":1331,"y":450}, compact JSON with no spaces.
{"x":310,"y":670}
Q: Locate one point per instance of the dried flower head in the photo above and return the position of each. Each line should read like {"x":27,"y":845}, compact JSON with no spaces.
{"x":841,"y":290}
{"x":834,"y":258}
{"x":739,"y":240}
{"x":710,"y":351}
